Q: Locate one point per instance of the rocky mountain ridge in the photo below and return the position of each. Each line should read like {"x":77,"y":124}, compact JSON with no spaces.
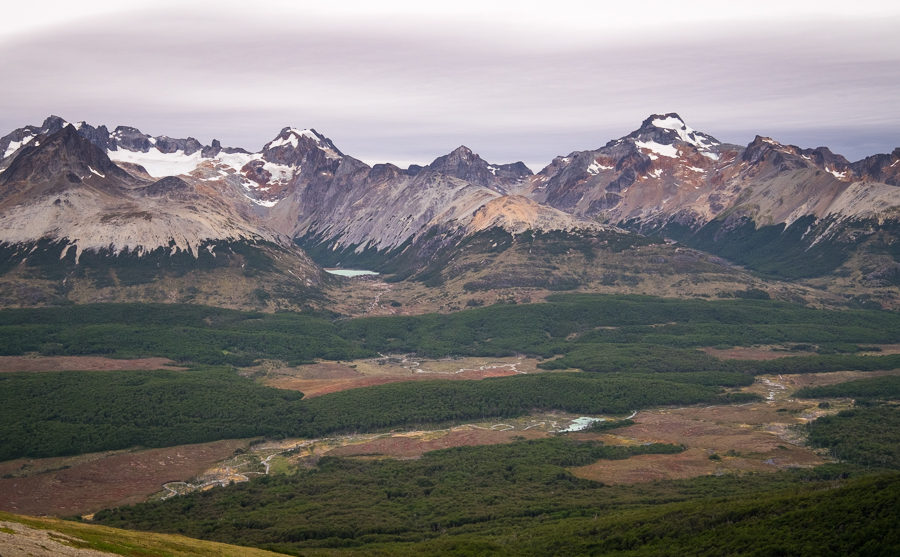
{"x":135,"y":193}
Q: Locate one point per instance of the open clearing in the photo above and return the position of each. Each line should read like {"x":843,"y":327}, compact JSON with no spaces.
{"x":755,"y":437}
{"x":329,"y":377}
{"x":82,"y":363}
{"x":66,"y":486}
{"x":773,"y":352}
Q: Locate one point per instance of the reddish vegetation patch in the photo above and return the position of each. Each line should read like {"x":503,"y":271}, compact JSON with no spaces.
{"x":773,"y":352}
{"x":751,"y":437}
{"x":752,"y":353}
{"x":415,"y":444}
{"x":316,"y":387}
{"x":81,"y":363}
{"x":88,"y":483}
{"x":830,"y":378}
{"x":652,"y":467}
{"x":319,"y":379}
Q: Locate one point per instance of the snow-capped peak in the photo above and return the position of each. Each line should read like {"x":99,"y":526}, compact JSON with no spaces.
{"x":660,"y":132}
{"x":668,"y":121}
{"x":292,"y":137}
{"x":685,"y":133}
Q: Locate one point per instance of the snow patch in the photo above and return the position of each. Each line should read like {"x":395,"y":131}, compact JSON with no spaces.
{"x":350,"y":272}
{"x":695,"y":169}
{"x":658,"y":148}
{"x":280,"y":172}
{"x":95,"y":172}
{"x":836,"y":174}
{"x":235,"y":161}
{"x":15,"y":145}
{"x":157,"y":163}
{"x":596,"y":167}
{"x":261,"y":202}
{"x":655,"y":173}
{"x":291,"y":140}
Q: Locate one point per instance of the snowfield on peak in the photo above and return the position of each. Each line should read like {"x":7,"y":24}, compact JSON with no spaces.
{"x":157,"y":163}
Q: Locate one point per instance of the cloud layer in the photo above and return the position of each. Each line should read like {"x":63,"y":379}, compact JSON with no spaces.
{"x":405,"y":85}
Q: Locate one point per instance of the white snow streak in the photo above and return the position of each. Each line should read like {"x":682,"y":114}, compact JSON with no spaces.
{"x":658,"y":148}
{"x":596,"y":167}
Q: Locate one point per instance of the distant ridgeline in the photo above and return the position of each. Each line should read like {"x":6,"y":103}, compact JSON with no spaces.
{"x":785,"y":212}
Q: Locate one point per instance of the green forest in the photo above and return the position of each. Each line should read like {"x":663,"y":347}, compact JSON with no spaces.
{"x":869,"y":437}
{"x":591,"y":332}
{"x":64,"y":413}
{"x":520,"y":499}
{"x":640,"y":351}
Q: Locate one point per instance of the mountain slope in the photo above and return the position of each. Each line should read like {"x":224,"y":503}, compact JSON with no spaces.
{"x":787,"y":212}
{"x":74,"y":225}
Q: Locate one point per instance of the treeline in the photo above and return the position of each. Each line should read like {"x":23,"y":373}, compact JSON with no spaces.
{"x":62,"y":413}
{"x":424,"y":403}
{"x":874,"y":388}
{"x":865,"y":436}
{"x":184,"y":333}
{"x":520,"y":499}
{"x":591,"y":332}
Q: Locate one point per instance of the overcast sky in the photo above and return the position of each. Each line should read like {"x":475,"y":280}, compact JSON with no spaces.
{"x":406,"y":82}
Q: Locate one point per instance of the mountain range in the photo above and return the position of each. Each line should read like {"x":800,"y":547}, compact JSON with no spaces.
{"x":87,"y":214}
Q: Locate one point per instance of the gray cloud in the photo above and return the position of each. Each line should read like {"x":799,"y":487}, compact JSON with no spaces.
{"x":406,"y":92}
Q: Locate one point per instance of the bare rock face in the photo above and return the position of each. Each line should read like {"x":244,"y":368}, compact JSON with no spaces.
{"x":462,"y":163}
{"x":59,"y":160}
{"x":877,"y":168}
{"x":516,"y":214}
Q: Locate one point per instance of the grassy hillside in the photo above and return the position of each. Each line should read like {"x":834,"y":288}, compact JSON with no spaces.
{"x":54,"y":535}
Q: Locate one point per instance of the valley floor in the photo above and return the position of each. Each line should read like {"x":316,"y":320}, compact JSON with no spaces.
{"x":752,"y":437}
